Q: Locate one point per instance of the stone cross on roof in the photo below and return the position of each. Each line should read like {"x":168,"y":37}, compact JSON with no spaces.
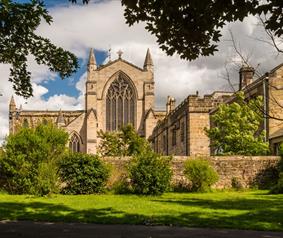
{"x":120,"y":52}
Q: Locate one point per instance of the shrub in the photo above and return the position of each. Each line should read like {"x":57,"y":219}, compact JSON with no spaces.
{"x":123,"y":186}
{"x":119,"y":182}
{"x":83,"y":174}
{"x":24,"y":155}
{"x":150,"y":173}
{"x":47,"y":181}
{"x":201,"y":175}
{"x":278,"y":188}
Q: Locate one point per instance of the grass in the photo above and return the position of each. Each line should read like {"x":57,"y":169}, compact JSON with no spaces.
{"x":254,"y":210}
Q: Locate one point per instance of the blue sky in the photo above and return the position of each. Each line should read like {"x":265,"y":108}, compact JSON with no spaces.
{"x":58,"y":86}
{"x":67,"y":86}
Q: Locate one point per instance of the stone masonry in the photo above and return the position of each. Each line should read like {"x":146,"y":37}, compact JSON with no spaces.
{"x":249,"y":171}
{"x":117,"y":93}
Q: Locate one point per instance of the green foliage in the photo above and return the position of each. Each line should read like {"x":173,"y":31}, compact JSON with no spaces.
{"x":150,"y":173}
{"x":125,"y":142}
{"x":201,"y":175}
{"x":278,"y":188}
{"x":192,"y":28}
{"x":122,"y":186}
{"x":111,"y":144}
{"x":28,"y":154}
{"x":47,"y":181}
{"x":236,"y":128}
{"x":18,"y":40}
{"x":83,"y":174}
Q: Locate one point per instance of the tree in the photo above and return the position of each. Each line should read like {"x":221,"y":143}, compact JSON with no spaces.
{"x":18,"y":23}
{"x":125,"y":142}
{"x":192,"y":28}
{"x":29,"y":161}
{"x":236,"y":128}
{"x":111,"y":144}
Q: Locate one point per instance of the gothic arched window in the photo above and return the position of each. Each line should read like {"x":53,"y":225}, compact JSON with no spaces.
{"x":120,"y":104}
{"x":74,"y":143}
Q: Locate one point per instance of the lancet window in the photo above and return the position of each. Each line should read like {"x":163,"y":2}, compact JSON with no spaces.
{"x":120,"y":104}
{"x":74,"y":144}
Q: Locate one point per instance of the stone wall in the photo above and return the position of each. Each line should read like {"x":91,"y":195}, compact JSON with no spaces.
{"x":247,"y":170}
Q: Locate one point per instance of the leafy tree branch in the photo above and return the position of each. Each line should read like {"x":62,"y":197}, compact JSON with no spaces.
{"x":192,"y":28}
{"x":18,"y":23}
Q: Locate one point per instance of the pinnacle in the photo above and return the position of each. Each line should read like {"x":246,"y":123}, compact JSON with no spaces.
{"x":60,"y":118}
{"x":91,"y":60}
{"x":148,"y":60}
{"x":12,"y":101}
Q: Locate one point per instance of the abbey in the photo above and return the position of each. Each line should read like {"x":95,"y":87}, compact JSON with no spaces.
{"x":117,"y":93}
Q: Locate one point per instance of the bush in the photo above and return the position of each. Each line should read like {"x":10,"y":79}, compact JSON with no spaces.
{"x":201,"y":175}
{"x":278,"y":188}
{"x":123,"y":186}
{"x":83,"y":174}
{"x":150,"y":173}
{"x":26,"y":153}
{"x":119,"y":182}
{"x":47,"y":181}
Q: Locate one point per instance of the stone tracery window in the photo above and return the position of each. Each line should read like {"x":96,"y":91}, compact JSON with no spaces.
{"x":74,"y":144}
{"x":120,"y":104}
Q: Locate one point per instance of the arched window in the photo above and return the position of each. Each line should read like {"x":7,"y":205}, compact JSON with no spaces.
{"x":74,"y":143}
{"x":120,"y":104}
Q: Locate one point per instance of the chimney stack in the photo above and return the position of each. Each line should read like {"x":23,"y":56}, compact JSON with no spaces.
{"x":170,"y":105}
{"x":246,"y":76}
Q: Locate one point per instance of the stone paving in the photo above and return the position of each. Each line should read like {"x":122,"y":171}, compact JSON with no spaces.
{"x":27,"y":229}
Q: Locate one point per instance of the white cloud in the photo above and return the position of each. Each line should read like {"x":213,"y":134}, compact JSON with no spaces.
{"x":99,"y":25}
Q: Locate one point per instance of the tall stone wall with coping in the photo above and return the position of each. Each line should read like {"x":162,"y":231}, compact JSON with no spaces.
{"x":249,"y":171}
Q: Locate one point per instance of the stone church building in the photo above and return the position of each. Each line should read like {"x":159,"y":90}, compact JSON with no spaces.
{"x":119,"y":93}
{"x":182,"y":132}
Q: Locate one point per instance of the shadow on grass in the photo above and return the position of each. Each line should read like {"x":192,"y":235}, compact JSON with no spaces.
{"x":264,"y":202}
{"x":255,"y":214}
{"x":264,"y":213}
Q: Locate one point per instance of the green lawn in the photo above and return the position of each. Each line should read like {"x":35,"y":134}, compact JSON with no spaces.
{"x":239,"y":210}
